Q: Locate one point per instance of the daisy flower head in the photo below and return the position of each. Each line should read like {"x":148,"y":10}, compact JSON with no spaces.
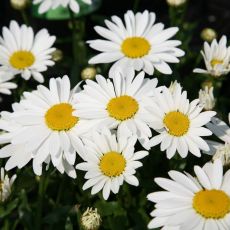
{"x":179,"y":123}
{"x":110,"y":160}
{"x":118,"y":103}
{"x":5,"y":185}
{"x":46,"y":129}
{"x":25,"y":53}
{"x":138,"y":43}
{"x":216,"y":57}
{"x":5,"y":85}
{"x":201,"y":202}
{"x":46,"y":5}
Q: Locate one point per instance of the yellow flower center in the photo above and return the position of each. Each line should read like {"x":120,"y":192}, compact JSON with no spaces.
{"x":135,"y":47}
{"x":22,"y":59}
{"x":59,"y":117}
{"x":112,"y":164}
{"x":213,"y":204}
{"x":177,"y":123}
{"x":122,"y":108}
{"x":215,"y":62}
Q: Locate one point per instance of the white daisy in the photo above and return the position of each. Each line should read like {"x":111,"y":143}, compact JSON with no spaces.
{"x":109,"y":161}
{"x":22,"y":52}
{"x":5,"y":185}
{"x":179,"y":123}
{"x":46,"y":5}
{"x":216,"y":58}
{"x":5,"y":85}
{"x":139,"y":44}
{"x":120,"y":103}
{"x":193,"y":203}
{"x":222,"y":131}
{"x":46,"y":130}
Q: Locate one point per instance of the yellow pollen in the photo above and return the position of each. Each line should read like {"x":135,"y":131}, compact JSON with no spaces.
{"x":135,"y":47}
{"x":122,"y":108}
{"x":215,"y":62}
{"x":59,"y":117}
{"x":22,"y":59}
{"x":112,"y":164}
{"x":213,"y":204}
{"x":177,"y":123}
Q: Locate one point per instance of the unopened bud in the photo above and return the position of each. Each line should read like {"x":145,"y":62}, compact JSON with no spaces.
{"x":176,"y":3}
{"x":208,"y":34}
{"x":57,"y":55}
{"x":19,"y":4}
{"x":91,"y":219}
{"x":88,"y":73}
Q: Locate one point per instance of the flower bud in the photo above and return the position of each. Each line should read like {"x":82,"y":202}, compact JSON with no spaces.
{"x":88,"y":73}
{"x":175,"y":3}
{"x":91,"y":219}
{"x":223,"y":153}
{"x":57,"y":55}
{"x":207,"y":98}
{"x":19,"y":4}
{"x":208,"y":34}
{"x":5,"y":185}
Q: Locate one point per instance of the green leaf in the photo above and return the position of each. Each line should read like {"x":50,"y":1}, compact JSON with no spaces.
{"x":4,"y":211}
{"x":109,"y":208}
{"x":57,"y":215}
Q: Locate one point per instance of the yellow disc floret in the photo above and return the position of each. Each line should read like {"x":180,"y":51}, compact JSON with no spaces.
{"x":177,"y":123}
{"x":122,"y":108}
{"x":22,"y":59}
{"x":215,"y":62}
{"x":112,"y":164}
{"x":135,"y":47}
{"x":213,"y":204}
{"x":59,"y":117}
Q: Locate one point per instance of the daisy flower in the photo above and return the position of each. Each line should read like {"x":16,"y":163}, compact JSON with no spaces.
{"x":222,"y":131}
{"x":5,"y":85}
{"x":45,"y":129}
{"x":137,"y":43}
{"x":179,"y":123}
{"x":216,"y":58}
{"x":110,"y":160}
{"x":118,"y":103}
{"x":46,"y":5}
{"x":193,"y":203}
{"x":22,"y":52}
{"x":5,"y":185}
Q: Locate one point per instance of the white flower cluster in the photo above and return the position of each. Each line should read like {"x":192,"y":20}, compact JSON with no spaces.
{"x":103,"y":120}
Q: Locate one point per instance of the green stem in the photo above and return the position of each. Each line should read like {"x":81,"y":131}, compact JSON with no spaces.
{"x":25,"y":17}
{"x":6,"y":224}
{"x":41,"y":191}
{"x":60,"y":191}
{"x":78,"y":48}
